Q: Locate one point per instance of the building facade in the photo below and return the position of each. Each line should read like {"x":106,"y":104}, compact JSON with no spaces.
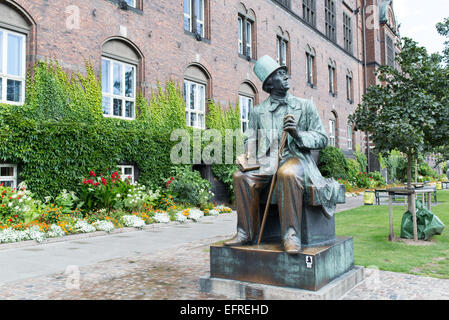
{"x":209,"y":47}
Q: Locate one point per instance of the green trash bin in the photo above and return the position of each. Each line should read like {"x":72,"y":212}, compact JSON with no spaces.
{"x":428,"y":223}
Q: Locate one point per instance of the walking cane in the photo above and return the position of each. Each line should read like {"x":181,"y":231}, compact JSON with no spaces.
{"x":273,"y":182}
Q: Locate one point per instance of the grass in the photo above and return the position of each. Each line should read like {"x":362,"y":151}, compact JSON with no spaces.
{"x":369,"y":226}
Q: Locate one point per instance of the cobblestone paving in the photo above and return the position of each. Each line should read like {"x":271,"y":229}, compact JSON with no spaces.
{"x":174,"y":274}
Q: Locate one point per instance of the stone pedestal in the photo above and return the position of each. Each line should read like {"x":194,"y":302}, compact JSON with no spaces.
{"x":267,"y":266}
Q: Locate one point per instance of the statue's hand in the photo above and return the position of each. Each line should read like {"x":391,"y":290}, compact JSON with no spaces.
{"x":290,"y":125}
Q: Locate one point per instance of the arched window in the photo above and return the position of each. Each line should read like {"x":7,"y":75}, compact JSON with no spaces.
{"x":196,"y":18}
{"x":15,"y":29}
{"x":350,"y":135}
{"x":247,"y":32}
{"x":283,"y":48}
{"x":332,"y":67}
{"x":349,"y":87}
{"x":247,"y":100}
{"x":196,"y":88}
{"x":311,"y":66}
{"x":333,"y":129}
{"x":120,"y":64}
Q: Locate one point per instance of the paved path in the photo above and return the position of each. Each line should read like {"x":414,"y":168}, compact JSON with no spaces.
{"x":161,"y":262}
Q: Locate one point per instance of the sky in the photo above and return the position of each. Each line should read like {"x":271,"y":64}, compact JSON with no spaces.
{"x":418,"y":19}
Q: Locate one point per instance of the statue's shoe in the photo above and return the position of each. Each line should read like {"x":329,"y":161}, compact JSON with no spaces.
{"x":237,"y":240}
{"x":291,"y":246}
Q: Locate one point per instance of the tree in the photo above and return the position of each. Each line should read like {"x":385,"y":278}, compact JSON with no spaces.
{"x":406,"y":111}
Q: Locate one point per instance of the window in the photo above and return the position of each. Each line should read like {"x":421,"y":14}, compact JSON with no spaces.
{"x":310,"y":66}
{"x":245,"y":104}
{"x":332,"y":80}
{"x":131,"y":3}
{"x":390,"y":51}
{"x":310,"y":73}
{"x":285,"y":3}
{"x":332,"y":132}
{"x":12,"y":67}
{"x":195,"y":100}
{"x":282,"y":46}
{"x":194,"y":16}
{"x":245,"y":36}
{"x":349,"y":88}
{"x":126,"y":172}
{"x":309,"y":11}
{"x":330,"y":21}
{"x":332,"y":67}
{"x":349,"y":136}
{"x":119,"y":88}
{"x":8,"y":175}
{"x":347,"y":32}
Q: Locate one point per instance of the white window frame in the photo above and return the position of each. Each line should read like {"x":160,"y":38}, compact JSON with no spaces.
{"x":240,"y":33}
{"x":243,"y":98}
{"x":198,"y":21}
{"x":249,"y":39}
{"x":332,"y":132}
{"x":349,"y":133}
{"x":309,"y":68}
{"x":331,"y":79}
{"x":4,"y":76}
{"x":199,"y":104}
{"x":131,"y":3}
{"x":13,"y":178}
{"x":124,"y":176}
{"x":122,"y":96}
{"x":189,"y":15}
{"x":282,"y":48}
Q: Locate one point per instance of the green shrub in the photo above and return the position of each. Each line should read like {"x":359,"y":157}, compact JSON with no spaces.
{"x":353,"y":169}
{"x":221,"y":119}
{"x":188,"y":187}
{"x":362,"y":160}
{"x":378,"y":178}
{"x":332,"y":163}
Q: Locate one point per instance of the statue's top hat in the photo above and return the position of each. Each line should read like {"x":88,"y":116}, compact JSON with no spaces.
{"x":265,"y":67}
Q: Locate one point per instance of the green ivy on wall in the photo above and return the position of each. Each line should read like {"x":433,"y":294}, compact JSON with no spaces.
{"x":59,"y":135}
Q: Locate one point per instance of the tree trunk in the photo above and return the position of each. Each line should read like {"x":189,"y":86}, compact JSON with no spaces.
{"x":409,"y":170}
{"x":416,"y":170}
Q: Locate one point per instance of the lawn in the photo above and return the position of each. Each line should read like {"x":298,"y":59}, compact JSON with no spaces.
{"x":369,"y":226}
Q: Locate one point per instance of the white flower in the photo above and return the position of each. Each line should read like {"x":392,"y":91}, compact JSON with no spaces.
{"x":195,"y":214}
{"x":180,"y":217}
{"x":133,"y":221}
{"x":118,"y":195}
{"x":84,"y":227}
{"x":214,"y":212}
{"x":162,"y":217}
{"x":107,"y":226}
{"x":55,"y":231}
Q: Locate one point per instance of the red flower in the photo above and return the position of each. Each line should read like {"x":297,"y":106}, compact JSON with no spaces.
{"x":15,"y":216}
{"x":104,"y":181}
{"x":10,"y":220}
{"x":92,"y":174}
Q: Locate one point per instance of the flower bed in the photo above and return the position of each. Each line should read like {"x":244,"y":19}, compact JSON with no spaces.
{"x":106,"y":204}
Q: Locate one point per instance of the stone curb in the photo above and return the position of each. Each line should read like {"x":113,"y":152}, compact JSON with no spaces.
{"x":78,"y":236}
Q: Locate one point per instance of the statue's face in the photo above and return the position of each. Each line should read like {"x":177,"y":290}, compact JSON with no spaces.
{"x":280,"y":80}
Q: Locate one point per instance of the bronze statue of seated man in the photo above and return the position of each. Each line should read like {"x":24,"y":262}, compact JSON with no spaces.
{"x":297,"y":176}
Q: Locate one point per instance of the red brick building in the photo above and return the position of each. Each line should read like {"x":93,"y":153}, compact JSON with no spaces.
{"x":210,"y":46}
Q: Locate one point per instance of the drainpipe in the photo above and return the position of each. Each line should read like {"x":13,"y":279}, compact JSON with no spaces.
{"x":365,"y":75}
